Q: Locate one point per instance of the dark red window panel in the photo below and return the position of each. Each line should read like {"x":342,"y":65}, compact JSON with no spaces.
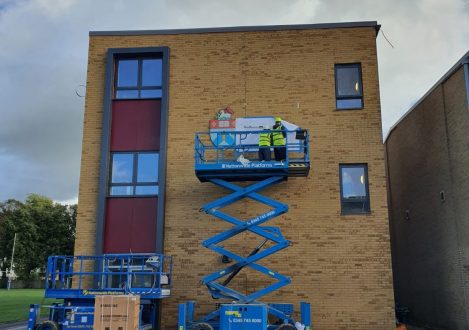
{"x":130,"y":225}
{"x":135,"y":125}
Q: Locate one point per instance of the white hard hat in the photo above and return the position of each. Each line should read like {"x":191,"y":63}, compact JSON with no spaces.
{"x":267,"y":127}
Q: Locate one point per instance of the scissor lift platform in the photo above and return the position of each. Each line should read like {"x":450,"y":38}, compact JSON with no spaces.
{"x":224,"y":158}
{"x":222,"y":161}
{"x":77,"y":280}
{"x":84,"y":277}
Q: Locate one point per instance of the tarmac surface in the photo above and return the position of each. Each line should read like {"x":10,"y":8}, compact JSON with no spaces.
{"x":14,"y":326}
{"x":23,"y":325}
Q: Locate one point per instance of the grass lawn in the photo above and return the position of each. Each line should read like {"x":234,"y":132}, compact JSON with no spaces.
{"x":14,"y":304}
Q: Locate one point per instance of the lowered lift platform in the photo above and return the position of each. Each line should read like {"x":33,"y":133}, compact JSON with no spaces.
{"x":77,"y":280}
{"x":233,"y":158}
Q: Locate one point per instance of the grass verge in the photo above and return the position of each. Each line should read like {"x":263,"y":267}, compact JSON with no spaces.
{"x":14,"y":304}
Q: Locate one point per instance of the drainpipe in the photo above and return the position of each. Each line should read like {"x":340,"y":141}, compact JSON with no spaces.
{"x":465,"y":63}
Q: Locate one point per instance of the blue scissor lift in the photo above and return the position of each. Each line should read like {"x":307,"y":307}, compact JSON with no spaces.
{"x":222,"y":165}
{"x":76,"y":280}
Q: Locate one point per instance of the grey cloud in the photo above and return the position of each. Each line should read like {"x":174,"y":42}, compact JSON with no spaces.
{"x":43,"y":54}
{"x":429,"y":37}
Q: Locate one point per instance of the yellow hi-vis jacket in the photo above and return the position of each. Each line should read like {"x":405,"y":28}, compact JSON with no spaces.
{"x":264,"y":140}
{"x":277,"y":137}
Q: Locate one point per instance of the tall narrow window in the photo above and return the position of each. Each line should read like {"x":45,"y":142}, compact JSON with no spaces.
{"x":348,"y":86}
{"x":138,"y":78}
{"x":354,"y":193}
{"x":134,"y":174}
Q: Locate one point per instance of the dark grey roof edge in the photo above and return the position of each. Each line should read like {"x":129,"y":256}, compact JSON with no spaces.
{"x":454,"y":68}
{"x":240,"y":29}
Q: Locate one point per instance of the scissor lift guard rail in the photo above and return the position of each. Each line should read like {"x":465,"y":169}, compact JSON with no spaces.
{"x":78,"y":279}
{"x":222,"y":165}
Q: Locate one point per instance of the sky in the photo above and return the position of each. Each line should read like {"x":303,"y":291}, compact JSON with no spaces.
{"x":43,"y":63}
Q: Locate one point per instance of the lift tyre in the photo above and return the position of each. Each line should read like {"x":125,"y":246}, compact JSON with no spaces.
{"x":202,"y":326}
{"x":48,"y":325}
{"x":286,"y":327}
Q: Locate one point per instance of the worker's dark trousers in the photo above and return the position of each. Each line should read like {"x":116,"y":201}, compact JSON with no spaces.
{"x":264,"y":153}
{"x":280,"y":153}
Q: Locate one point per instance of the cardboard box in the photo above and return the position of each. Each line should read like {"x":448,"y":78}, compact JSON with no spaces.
{"x":116,"y":312}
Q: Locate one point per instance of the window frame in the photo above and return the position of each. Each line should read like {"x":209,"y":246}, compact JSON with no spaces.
{"x":134,"y":184}
{"x":139,"y":86}
{"x":349,"y":97}
{"x":367,"y":190}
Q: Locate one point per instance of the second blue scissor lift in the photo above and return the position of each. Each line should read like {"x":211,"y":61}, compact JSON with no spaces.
{"x":76,"y":280}
{"x":221,"y":165}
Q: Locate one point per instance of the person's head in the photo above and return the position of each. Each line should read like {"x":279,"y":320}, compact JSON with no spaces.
{"x":278,"y":120}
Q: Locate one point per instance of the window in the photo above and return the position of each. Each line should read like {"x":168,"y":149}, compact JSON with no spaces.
{"x":138,"y":78}
{"x":348,"y":86}
{"x":354,"y":194}
{"x":134,"y":174}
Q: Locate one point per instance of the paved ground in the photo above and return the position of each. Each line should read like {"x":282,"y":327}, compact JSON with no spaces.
{"x":20,"y":325}
{"x":23,"y":325}
{"x":411,"y":327}
{"x":14,"y":326}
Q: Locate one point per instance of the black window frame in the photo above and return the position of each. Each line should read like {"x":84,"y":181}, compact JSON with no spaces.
{"x":139,"y":86}
{"x":366,"y":200}
{"x":134,"y":184}
{"x":349,"y":97}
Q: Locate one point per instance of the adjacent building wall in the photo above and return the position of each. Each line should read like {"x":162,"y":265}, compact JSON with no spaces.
{"x":341,"y":264}
{"x":428,"y":170}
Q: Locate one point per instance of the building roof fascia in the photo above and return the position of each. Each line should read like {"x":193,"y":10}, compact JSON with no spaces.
{"x":240,"y":29}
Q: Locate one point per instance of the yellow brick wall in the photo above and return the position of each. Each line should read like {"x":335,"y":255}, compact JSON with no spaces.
{"x":341,"y":264}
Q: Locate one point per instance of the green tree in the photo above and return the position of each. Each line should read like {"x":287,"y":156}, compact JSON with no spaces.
{"x":43,"y":228}
{"x":13,"y":220}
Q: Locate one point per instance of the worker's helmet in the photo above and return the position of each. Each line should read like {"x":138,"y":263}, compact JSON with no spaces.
{"x":267,"y":127}
{"x":278,"y":119}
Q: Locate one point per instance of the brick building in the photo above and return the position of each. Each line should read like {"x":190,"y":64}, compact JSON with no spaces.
{"x":147,"y":94}
{"x":428,"y":172}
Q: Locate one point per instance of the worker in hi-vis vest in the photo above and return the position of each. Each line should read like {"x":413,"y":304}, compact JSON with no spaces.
{"x":279,"y":138}
{"x":264,"y":144}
